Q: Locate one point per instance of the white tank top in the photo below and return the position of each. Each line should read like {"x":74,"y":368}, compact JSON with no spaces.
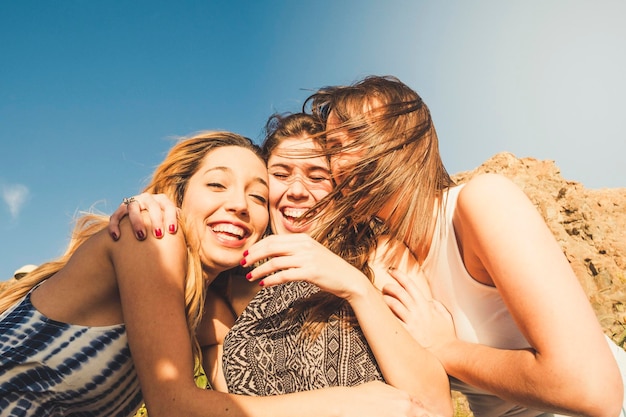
{"x":479,"y":313}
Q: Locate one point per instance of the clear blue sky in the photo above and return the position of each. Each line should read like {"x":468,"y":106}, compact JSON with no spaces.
{"x":91,"y":92}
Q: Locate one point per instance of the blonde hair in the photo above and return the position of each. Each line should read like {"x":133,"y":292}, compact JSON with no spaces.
{"x":170,"y":178}
{"x":391,"y":125}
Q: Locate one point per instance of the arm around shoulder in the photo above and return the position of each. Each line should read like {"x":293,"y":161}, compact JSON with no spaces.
{"x":151,"y":282}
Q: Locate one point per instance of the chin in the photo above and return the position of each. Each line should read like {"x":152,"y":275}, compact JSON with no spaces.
{"x":291,"y":227}
{"x":226,"y":258}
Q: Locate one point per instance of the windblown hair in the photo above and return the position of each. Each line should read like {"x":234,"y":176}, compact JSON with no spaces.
{"x":170,"y":178}
{"x":392,"y":127}
{"x":289,"y":126}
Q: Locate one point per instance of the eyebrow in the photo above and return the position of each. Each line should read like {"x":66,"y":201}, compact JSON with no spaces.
{"x":230,"y":170}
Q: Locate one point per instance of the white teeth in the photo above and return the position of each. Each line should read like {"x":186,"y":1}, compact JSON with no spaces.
{"x":294,"y":212}
{"x":229,"y":228}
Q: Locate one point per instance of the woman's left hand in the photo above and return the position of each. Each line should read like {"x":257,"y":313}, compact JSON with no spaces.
{"x":298,"y":257}
{"x":425,"y":318}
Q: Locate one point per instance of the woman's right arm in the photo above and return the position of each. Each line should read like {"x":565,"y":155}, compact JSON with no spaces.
{"x":150,"y":281}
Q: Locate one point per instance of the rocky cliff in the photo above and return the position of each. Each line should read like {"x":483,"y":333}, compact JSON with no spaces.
{"x":589,"y":224}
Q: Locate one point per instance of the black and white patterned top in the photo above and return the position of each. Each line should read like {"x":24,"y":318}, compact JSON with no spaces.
{"x":266,"y":354}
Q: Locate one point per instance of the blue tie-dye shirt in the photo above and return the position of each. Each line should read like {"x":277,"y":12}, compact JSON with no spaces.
{"x":49,"y":368}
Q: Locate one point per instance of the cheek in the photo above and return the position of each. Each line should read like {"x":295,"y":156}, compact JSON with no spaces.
{"x":260,"y":217}
{"x":277,"y":190}
{"x":320,"y":193}
{"x":187,"y":207}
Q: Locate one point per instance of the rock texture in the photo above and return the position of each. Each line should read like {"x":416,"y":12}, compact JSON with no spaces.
{"x":589,"y":224}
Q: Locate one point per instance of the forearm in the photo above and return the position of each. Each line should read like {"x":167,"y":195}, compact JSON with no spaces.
{"x":195,"y":402}
{"x":405,"y":364}
{"x":373,"y":399}
{"x":558,"y":385}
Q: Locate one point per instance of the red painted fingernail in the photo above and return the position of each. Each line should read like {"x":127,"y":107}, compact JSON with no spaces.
{"x":248,"y":276}
{"x":114,"y":236}
{"x":245,"y":253}
{"x":243,"y":262}
{"x":172,"y":228}
{"x":141,"y":235}
{"x":261,"y":283}
{"x":158,"y":233}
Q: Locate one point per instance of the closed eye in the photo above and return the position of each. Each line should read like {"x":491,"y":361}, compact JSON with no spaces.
{"x":260,"y":198}
{"x":319,"y":179}
{"x":280,"y":175}
{"x":216,"y":185}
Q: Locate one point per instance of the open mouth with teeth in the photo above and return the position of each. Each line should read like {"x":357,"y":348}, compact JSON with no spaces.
{"x":293,"y":219}
{"x":293,"y":214}
{"x":229,"y":231}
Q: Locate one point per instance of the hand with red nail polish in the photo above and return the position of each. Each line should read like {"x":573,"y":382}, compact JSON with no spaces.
{"x":298,"y":257}
{"x":159,"y":209}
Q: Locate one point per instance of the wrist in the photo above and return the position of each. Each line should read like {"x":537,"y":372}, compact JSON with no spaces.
{"x":447,"y":353}
{"x":361,"y":293}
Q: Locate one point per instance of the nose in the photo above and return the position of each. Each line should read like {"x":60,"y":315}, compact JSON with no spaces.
{"x":237,"y":202}
{"x":297,"y":189}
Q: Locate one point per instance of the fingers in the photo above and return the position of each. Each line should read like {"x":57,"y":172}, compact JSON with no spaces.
{"x":137,"y":220}
{"x":271,"y":266}
{"x":278,"y":245}
{"x":114,"y":221}
{"x":153,"y":207}
{"x":281,"y":258}
{"x":170,"y":212}
{"x":398,"y":300}
{"x":397,"y":307}
{"x":160,"y":211}
{"x":409,"y":285}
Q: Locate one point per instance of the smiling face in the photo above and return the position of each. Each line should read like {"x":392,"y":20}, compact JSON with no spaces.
{"x":296,"y":184}
{"x":225,"y":203}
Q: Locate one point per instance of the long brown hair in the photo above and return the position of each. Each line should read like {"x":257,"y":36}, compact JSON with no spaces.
{"x":170,"y":178}
{"x":393,"y":127}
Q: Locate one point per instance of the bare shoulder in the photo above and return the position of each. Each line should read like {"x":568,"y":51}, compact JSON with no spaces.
{"x":486,"y":192}
{"x":489,"y":207}
{"x":484,"y":185}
